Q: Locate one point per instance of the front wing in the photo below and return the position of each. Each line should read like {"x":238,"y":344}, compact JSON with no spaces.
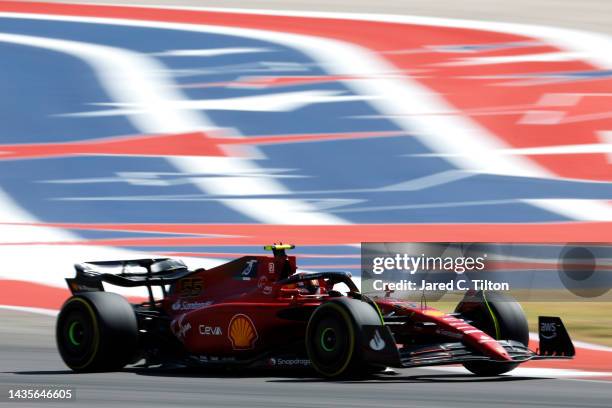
{"x":554,"y":343}
{"x":458,"y":353}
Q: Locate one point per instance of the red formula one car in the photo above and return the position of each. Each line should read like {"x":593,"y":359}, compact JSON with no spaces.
{"x":258,"y":311}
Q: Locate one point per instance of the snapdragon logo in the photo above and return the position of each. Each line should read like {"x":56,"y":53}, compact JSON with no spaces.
{"x":412,"y":264}
{"x":289,"y":362}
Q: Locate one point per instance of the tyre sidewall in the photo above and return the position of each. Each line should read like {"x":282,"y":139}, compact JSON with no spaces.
{"x":115,"y":331}
{"x":355,"y":314}
{"x":501,"y":317}
{"x":334,"y":316}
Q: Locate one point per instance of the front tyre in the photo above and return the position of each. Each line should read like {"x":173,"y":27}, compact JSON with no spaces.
{"x":335,"y":337}
{"x":96,"y":331}
{"x":501,"y":317}
{"x":331,"y":340}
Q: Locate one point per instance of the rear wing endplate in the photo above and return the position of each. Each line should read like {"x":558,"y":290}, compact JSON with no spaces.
{"x":158,"y":272}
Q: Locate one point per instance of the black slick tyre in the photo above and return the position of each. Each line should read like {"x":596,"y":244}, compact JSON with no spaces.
{"x":334,"y":338}
{"x":96,"y":331}
{"x":501,"y":317}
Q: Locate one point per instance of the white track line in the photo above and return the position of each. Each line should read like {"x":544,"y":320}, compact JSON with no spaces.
{"x":208,"y":52}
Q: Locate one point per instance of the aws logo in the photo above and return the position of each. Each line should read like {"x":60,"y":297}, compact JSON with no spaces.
{"x":548,"y":330}
{"x":242,"y":333}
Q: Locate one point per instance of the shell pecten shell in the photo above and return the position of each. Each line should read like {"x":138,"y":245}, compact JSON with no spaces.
{"x":242,"y":332}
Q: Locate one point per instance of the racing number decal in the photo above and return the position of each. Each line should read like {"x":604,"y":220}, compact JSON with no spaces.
{"x":189,"y":287}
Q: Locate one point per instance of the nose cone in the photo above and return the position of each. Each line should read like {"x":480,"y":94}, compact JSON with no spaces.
{"x":491,"y":347}
{"x":501,"y":352}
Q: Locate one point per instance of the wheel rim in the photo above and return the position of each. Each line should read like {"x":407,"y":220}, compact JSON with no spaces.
{"x":333,"y":341}
{"x":75,"y":333}
{"x":328,"y":339}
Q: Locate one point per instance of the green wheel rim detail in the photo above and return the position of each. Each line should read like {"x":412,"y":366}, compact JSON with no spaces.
{"x":323,"y":339}
{"x":493,"y":317}
{"x":71,"y":333}
{"x":382,"y":320}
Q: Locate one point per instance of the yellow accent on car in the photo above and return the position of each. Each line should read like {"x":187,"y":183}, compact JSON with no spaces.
{"x":278,"y":246}
{"x":433,"y":312}
{"x":495,"y":321}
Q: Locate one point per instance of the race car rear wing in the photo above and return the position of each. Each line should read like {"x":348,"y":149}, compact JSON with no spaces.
{"x":157,"y":272}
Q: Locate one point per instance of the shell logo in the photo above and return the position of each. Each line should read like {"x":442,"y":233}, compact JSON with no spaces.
{"x":242,"y":332}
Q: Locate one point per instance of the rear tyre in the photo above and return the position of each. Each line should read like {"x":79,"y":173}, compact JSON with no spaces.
{"x":96,"y":331}
{"x":501,"y":317}
{"x":334,"y":338}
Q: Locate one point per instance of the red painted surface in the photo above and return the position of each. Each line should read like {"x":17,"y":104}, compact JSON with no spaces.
{"x":255,"y":234}
{"x":185,"y":144}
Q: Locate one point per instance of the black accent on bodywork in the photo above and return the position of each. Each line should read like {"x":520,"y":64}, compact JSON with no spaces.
{"x":333,"y":276}
{"x":158,"y":272}
{"x":554,"y":339}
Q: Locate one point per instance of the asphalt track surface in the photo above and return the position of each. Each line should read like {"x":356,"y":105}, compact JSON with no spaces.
{"x":28,"y":355}
{"x":27,"y":347}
